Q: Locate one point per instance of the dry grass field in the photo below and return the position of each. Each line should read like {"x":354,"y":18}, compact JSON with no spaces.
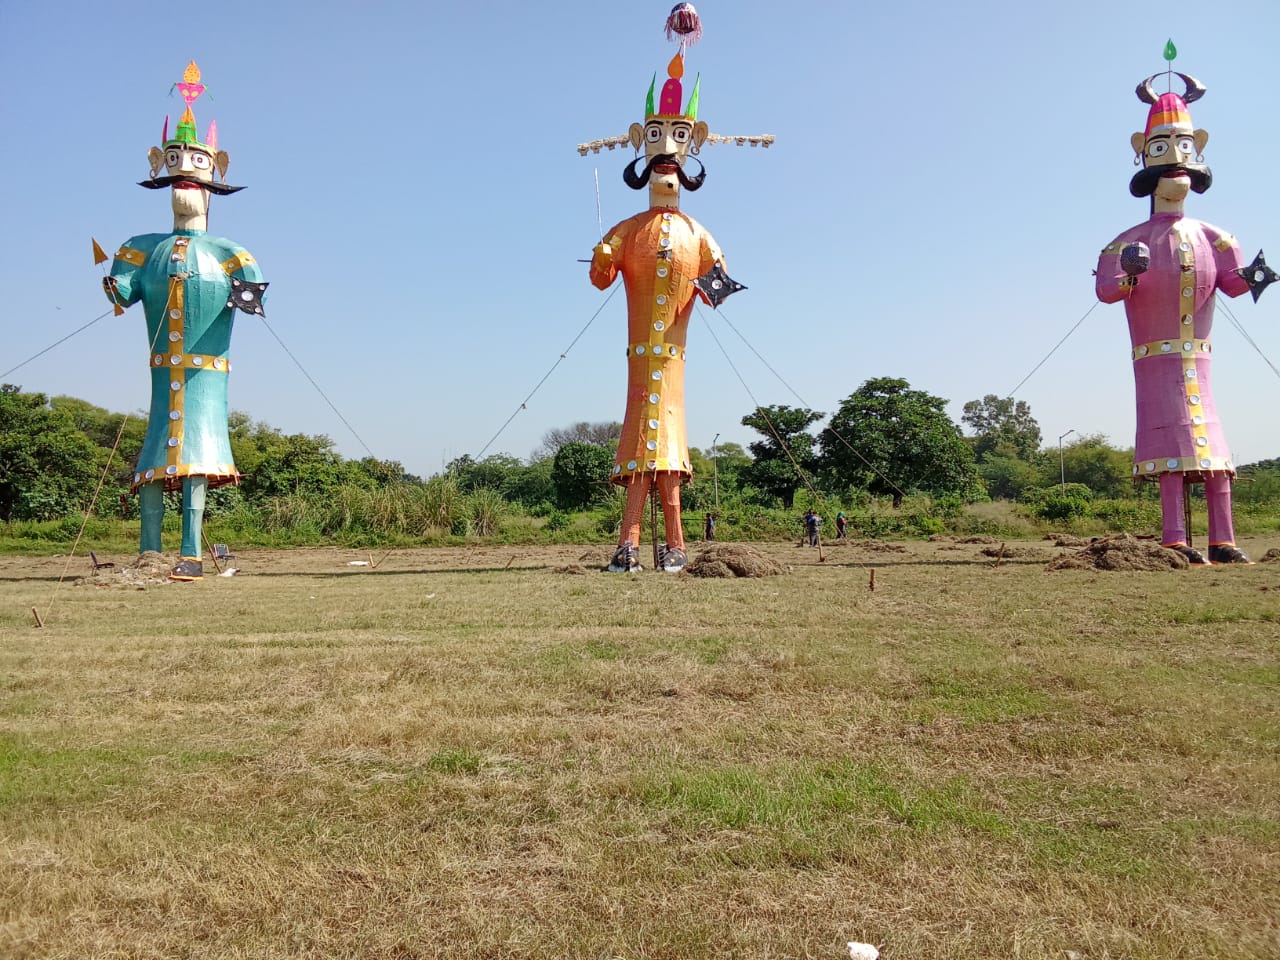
{"x":479,"y":754}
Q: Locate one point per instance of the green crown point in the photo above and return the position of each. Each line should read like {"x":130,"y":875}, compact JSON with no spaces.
{"x":1170,"y":51}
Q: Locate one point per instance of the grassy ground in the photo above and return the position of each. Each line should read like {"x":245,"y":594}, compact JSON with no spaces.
{"x":466,"y":754}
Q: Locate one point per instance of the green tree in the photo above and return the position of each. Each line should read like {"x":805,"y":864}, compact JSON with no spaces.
{"x":786,"y":445}
{"x":891,"y":439}
{"x":1002,"y":421}
{"x":492,"y":473}
{"x":48,"y":468}
{"x":580,"y":474}
{"x":1092,"y":461}
{"x":604,"y":433}
{"x":1007,"y":475}
{"x":276,"y":464}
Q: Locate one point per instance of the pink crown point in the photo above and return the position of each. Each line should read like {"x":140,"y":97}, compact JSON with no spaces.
{"x":212,"y":138}
{"x":191,"y":92}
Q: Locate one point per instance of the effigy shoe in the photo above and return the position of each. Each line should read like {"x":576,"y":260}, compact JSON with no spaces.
{"x":626,"y":559}
{"x":673,"y":559}
{"x":1194,"y":556}
{"x":187,"y":569}
{"x":1227,"y":553}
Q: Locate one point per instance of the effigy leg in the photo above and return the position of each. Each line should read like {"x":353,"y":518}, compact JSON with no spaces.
{"x":627,"y":556}
{"x":1222,"y":534}
{"x":1174,"y":527}
{"x":151,"y":509}
{"x":674,"y":558}
{"x":189,"y":566}
{"x":669,"y":492}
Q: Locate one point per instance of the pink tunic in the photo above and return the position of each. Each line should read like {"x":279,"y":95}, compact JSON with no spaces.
{"x":1170,"y":313}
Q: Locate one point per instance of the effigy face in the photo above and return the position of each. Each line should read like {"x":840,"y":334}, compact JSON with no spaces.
{"x":666,"y":142}
{"x":194,"y":166}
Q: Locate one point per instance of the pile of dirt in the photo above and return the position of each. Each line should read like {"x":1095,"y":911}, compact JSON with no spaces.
{"x":1005,"y":552}
{"x":145,"y":570}
{"x":571,"y":568}
{"x":1067,"y":540}
{"x":1271,"y":556}
{"x":977,"y":540}
{"x":1122,"y":552}
{"x":732,"y":560}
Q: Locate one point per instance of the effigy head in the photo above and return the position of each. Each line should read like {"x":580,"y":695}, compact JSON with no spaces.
{"x":1170,"y":150}
{"x":189,"y":162}
{"x":670,"y":132}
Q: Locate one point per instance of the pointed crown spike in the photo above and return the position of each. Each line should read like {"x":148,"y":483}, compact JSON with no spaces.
{"x":691,"y":111}
{"x":191,"y":88}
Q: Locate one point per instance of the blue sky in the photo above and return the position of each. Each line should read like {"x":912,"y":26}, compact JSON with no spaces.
{"x":943,"y":179}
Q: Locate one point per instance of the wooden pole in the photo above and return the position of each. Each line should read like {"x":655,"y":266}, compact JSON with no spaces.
{"x":653,"y":520}
{"x":871,"y":585}
{"x":213,"y":554}
{"x":1186,"y":511}
{"x":36,"y":613}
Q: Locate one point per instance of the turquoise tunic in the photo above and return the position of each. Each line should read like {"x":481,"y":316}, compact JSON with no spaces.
{"x":184,"y":282}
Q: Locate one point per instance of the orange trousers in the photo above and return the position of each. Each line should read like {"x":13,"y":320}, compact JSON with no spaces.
{"x":638,"y":493}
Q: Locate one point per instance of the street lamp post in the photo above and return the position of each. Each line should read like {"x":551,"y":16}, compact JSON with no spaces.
{"x":715,"y":471}
{"x":1062,"y":464}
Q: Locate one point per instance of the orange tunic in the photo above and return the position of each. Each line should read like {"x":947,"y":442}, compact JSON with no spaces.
{"x":659,"y":253}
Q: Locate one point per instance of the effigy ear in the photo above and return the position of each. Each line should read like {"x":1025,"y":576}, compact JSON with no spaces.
{"x":222,"y":160}
{"x":635,"y":133}
{"x":155,"y":157}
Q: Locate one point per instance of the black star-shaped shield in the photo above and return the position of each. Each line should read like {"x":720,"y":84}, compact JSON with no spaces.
{"x":247,"y":296}
{"x":1258,"y":275}
{"x":717,"y":285}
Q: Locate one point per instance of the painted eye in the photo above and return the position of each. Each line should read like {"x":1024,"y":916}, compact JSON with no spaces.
{"x":200,"y":161}
{"x":1186,"y":145}
{"x":1157,"y":149}
{"x":681,"y":134}
{"x":653,"y":134}
{"x":171,"y":158}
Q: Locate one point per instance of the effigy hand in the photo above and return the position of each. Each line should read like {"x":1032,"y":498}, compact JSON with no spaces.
{"x":1135,"y":258}
{"x":601,"y":256}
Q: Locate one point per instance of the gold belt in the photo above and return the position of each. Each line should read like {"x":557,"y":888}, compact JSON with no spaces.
{"x":191,"y":361}
{"x":665,"y":351}
{"x":1184,"y":348}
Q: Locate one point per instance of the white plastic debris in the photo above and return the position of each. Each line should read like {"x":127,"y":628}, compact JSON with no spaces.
{"x":862,"y":951}
{"x":358,"y":563}
{"x":229,"y":572}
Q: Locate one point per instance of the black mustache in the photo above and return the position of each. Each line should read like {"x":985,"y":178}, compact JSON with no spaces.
{"x":1144,"y":181}
{"x":159,"y":183}
{"x":638,"y":181}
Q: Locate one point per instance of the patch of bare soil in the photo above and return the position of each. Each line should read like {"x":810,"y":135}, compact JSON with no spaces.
{"x":1271,"y":556}
{"x":732,"y":560}
{"x":575,"y":569}
{"x":1006,"y":552}
{"x":1121,"y":552}
{"x":597,"y":558}
{"x":147,"y":569}
{"x":871,"y":546}
{"x":879,"y":546}
{"x":1067,"y":540}
{"x":977,"y":540}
